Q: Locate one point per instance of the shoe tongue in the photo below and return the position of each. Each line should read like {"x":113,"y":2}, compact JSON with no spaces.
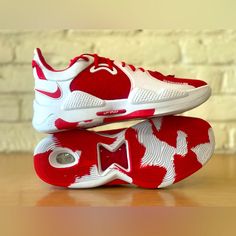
{"x":75,"y":59}
{"x":88,"y":55}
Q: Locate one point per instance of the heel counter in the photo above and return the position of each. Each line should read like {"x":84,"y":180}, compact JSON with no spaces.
{"x":38,"y":71}
{"x":40,"y":66}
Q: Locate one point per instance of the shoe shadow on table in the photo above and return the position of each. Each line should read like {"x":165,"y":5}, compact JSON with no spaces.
{"x":116,"y":196}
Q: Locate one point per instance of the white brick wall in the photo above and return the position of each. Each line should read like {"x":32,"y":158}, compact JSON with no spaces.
{"x":207,"y":55}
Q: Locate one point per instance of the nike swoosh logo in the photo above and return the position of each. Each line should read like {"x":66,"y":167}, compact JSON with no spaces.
{"x":55,"y":95}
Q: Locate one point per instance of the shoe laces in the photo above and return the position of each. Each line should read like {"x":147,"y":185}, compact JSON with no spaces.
{"x":108,"y":61}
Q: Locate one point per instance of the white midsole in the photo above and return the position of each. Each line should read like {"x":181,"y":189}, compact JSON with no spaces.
{"x":42,"y":113}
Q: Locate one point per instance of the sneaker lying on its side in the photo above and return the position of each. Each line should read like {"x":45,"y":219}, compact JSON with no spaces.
{"x":95,"y":90}
{"x":152,"y":154}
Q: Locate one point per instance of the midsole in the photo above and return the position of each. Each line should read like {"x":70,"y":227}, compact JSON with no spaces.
{"x":83,"y":114}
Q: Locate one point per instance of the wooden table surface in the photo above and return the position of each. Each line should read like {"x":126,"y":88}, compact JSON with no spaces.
{"x":213,"y":185}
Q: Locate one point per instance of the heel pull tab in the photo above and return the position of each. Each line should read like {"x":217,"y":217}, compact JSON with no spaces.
{"x":39,"y":58}
{"x":39,"y":71}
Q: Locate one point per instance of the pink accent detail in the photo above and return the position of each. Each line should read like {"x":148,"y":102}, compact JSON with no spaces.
{"x":132,"y":115}
{"x":38,"y":70}
{"x":62,"y":124}
{"x":173,"y":79}
{"x":111,"y":112}
{"x":55,"y":95}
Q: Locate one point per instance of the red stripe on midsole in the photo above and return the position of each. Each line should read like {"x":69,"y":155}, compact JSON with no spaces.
{"x":132,"y":115}
{"x":111,"y":112}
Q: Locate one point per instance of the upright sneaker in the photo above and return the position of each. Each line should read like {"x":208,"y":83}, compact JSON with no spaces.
{"x":152,"y":154}
{"x":94,"y":90}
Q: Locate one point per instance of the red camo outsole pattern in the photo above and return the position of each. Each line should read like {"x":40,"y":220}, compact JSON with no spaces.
{"x":185,"y":141}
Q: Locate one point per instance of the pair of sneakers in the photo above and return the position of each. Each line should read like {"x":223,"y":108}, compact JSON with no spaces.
{"x":92,"y":91}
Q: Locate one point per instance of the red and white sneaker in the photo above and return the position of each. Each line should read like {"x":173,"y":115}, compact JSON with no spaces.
{"x":152,"y":154}
{"x":94,"y":90}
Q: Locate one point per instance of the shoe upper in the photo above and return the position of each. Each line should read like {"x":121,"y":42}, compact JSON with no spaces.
{"x":95,"y":90}
{"x":101,"y":77}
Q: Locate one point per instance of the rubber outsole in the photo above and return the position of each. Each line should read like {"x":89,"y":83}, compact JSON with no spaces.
{"x":152,"y":154}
